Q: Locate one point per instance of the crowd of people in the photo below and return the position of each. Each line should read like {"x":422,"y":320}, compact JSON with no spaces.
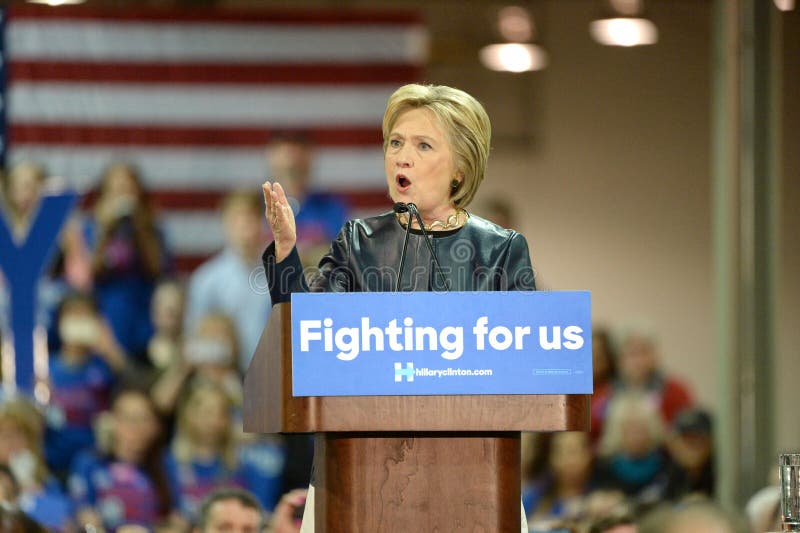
{"x":141,"y":420}
{"x":646,"y":465}
{"x":138,"y":419}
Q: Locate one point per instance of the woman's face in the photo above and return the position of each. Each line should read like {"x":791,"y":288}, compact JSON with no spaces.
{"x":208,"y":418}
{"x":571,"y":458}
{"x":12,"y":440}
{"x":25,"y":184}
{"x":636,"y":438}
{"x":135,"y":425}
{"x":419,"y":163}
{"x":121,"y":182}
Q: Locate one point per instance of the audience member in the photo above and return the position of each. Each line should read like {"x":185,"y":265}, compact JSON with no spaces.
{"x":22,"y":189}
{"x":288,"y":514}
{"x":639,"y":370}
{"x":691,"y":448}
{"x":226,"y":283}
{"x":123,"y":482}
{"x":561,"y":492}
{"x":604,"y":374}
{"x":230,"y":511}
{"x":318,"y":216}
{"x":9,"y":488}
{"x":81,"y":378}
{"x":30,"y":484}
{"x":13,"y":520}
{"x":633,"y":459}
{"x":129,"y":255}
{"x":210,"y":352}
{"x":166,"y":312}
{"x":202,"y":454}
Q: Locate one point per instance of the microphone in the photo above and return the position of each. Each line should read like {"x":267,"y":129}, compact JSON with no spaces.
{"x":400,"y":207}
{"x":412,"y":208}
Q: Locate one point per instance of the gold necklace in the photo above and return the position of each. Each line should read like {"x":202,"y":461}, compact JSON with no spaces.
{"x":453,"y":221}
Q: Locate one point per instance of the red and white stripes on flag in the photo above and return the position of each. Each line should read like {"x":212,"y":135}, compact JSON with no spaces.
{"x":192,"y":98}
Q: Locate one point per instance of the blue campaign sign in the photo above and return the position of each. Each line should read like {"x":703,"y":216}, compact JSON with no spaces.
{"x":421,"y":343}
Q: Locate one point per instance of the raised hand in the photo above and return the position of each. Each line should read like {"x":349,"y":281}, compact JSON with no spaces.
{"x":280,"y":218}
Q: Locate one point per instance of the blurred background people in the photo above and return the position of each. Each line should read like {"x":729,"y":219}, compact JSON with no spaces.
{"x":202,"y":455}
{"x":639,"y":370}
{"x":22,"y":189}
{"x":82,"y":374}
{"x":632,"y":455}
{"x":560,"y":491}
{"x":604,"y":376}
{"x":28,"y":482}
{"x":123,"y":481}
{"x":228,"y":283}
{"x":691,"y":447}
{"x":318,"y":216}
{"x":166,"y":312}
{"x":129,"y":255}
{"x":210,"y":352}
{"x":230,"y":511}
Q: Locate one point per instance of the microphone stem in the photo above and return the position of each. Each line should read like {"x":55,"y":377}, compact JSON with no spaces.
{"x":413,"y":209}
{"x":403,"y":256}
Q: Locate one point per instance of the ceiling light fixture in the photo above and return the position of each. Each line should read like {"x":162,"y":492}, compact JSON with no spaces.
{"x":55,"y":3}
{"x":624,"y":26}
{"x":515,"y":24}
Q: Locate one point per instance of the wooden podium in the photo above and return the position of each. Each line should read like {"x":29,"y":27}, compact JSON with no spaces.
{"x":404,"y":463}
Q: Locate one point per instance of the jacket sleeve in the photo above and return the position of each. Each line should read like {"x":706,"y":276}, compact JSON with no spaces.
{"x":519,"y":273}
{"x":333,"y":274}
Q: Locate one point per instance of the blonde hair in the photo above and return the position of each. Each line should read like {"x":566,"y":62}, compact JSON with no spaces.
{"x":24,"y":415}
{"x":625,"y":406}
{"x":466,"y":125}
{"x":181,"y":445}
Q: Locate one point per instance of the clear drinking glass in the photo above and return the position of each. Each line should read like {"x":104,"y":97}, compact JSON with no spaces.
{"x":790,"y":490}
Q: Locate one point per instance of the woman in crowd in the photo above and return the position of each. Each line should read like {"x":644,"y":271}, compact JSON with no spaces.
{"x":123,"y":482}
{"x":202,"y":454}
{"x":633,"y":458}
{"x":209,"y":353}
{"x":129,"y":255}
{"x":562,"y":489}
{"x":436,"y":143}
{"x":166,"y":312}
{"x":31,"y":485}
{"x":22,"y":188}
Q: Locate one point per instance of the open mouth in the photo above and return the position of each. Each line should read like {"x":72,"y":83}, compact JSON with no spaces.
{"x":403,"y":183}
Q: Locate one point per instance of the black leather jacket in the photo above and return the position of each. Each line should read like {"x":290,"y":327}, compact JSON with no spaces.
{"x":479,"y":256}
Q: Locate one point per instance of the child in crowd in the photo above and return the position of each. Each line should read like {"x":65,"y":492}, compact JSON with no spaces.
{"x":82,"y":373}
{"x":124,"y":482}
{"x":28,"y":482}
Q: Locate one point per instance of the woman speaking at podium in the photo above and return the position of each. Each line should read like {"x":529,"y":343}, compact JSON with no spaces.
{"x":436,"y":142}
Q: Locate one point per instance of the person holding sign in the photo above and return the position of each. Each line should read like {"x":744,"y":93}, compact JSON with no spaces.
{"x":436,"y":142}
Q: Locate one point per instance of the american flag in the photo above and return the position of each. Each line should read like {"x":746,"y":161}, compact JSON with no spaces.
{"x":193,"y":97}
